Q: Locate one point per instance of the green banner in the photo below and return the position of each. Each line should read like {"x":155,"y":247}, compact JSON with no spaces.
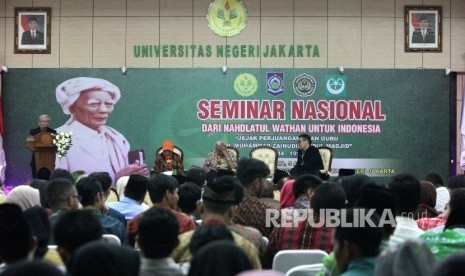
{"x":380,"y":122}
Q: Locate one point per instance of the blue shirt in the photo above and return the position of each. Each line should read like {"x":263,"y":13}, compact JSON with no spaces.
{"x":128,"y":207}
{"x":112,"y":226}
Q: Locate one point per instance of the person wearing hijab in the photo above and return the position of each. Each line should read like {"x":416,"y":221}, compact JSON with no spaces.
{"x":219,"y":258}
{"x":95,"y":146}
{"x":287,"y":198}
{"x":426,"y":208}
{"x":168,"y":160}
{"x":24,"y":196}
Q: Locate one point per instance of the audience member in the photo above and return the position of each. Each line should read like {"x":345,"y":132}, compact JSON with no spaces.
{"x":217,"y":207}
{"x":105,"y":180}
{"x":442,"y":194}
{"x":426,"y":208}
{"x":252,"y":174}
{"x":24,"y":196}
{"x":62,"y":196}
{"x":406,"y":190}
{"x":44,"y":174}
{"x":357,"y":245}
{"x":61,"y":173}
{"x":287,"y":198}
{"x":16,"y":238}
{"x":308,"y":230}
{"x":157,"y":238}
{"x":74,"y":229}
{"x":379,"y":198}
{"x":40,"y":227}
{"x":91,"y":193}
{"x":453,"y":265}
{"x":134,"y":195}
{"x":41,"y":185}
{"x":168,"y":161}
{"x":208,"y":233}
{"x":352,"y":186}
{"x":279,"y":178}
{"x":450,"y":238}
{"x":411,"y":257}
{"x":219,"y":258}
{"x":267,"y":196}
{"x":196,"y":175}
{"x":97,"y":258}
{"x":163,"y":192}
{"x":189,"y":194}
{"x":455,"y":182}
{"x":303,"y":189}
{"x":42,"y":231}
{"x":32,"y":268}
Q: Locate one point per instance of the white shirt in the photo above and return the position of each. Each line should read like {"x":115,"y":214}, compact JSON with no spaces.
{"x":406,"y":229}
{"x":442,"y":198}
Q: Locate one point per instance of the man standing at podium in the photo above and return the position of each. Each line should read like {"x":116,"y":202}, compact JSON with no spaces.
{"x":44,"y":120}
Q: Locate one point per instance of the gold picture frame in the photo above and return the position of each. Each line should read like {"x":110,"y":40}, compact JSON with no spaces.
{"x":32,"y":30}
{"x":423,"y":29}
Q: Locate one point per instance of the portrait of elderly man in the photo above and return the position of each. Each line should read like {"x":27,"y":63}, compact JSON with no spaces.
{"x":95,"y":147}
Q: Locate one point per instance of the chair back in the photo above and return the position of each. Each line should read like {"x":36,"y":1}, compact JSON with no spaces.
{"x":305,"y":270}
{"x":327,"y":157}
{"x":113,"y":196}
{"x":176,"y":150}
{"x":284,"y":260}
{"x":266,"y":154}
{"x":234,"y":151}
{"x":111,"y":239}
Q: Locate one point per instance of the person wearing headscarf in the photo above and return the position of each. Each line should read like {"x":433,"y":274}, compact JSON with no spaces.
{"x":95,"y":146}
{"x":287,"y":198}
{"x":426,"y":208}
{"x":219,"y":258}
{"x":168,"y":160}
{"x":24,"y":196}
{"x":449,"y":238}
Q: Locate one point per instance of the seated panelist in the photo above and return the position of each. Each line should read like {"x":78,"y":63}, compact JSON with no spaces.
{"x":168,"y":161}
{"x":220,"y":159}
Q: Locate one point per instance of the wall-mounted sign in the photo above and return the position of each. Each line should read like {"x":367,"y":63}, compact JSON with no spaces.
{"x":227,"y":17}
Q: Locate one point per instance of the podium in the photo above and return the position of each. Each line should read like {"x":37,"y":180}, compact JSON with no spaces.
{"x":43,"y":150}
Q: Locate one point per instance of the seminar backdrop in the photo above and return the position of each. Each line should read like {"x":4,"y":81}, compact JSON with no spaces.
{"x":380,"y":122}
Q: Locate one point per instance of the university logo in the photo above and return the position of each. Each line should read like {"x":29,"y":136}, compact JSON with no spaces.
{"x":227,"y":17}
{"x":275,"y":83}
{"x":336,"y":85}
{"x":304,"y":85}
{"x":245,"y":84}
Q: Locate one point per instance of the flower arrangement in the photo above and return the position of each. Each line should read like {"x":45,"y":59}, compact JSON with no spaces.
{"x":62,"y":141}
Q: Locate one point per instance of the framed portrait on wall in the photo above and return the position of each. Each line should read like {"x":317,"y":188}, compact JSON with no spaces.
{"x":423,"y":29}
{"x":32,"y":30}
